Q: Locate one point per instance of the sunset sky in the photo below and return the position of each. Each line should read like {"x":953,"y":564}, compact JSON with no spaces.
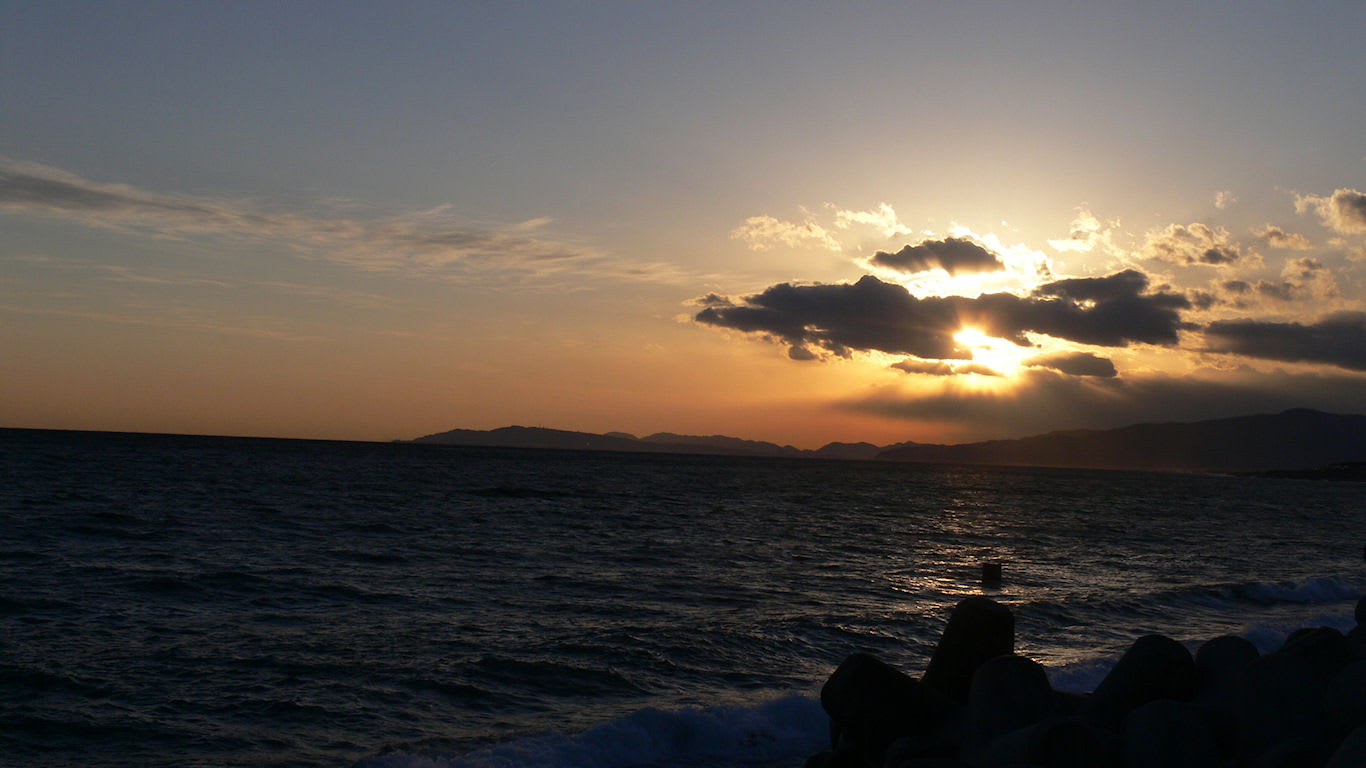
{"x":781,"y":221}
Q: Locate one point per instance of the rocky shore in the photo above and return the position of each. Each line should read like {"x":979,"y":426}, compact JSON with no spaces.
{"x":978,"y":705}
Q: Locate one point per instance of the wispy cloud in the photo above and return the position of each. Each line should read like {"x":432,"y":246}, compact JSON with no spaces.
{"x":761,"y":233}
{"x":883,"y":218}
{"x":183,"y":319}
{"x":432,"y":242}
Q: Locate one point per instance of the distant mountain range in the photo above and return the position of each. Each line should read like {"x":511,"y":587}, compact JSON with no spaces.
{"x":660,"y":442}
{"x":1293,"y":440}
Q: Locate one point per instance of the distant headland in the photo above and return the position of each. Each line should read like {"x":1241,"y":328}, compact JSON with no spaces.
{"x":660,"y":442}
{"x":1298,"y":442}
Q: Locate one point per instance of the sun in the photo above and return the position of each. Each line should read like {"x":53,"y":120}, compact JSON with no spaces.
{"x":988,"y":351}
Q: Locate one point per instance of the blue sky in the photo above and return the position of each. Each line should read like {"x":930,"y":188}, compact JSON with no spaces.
{"x":379,"y":220}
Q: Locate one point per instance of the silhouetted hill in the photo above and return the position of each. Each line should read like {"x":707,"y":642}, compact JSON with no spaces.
{"x":723,"y":444}
{"x":533,"y":437}
{"x":1352,"y":471}
{"x":660,"y":442}
{"x":1294,"y":439}
{"x":855,"y":451}
{"x":858,"y":451}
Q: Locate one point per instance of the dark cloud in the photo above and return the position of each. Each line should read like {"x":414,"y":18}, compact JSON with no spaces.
{"x":1120,"y":285}
{"x":952,"y":254}
{"x":871,"y":315}
{"x":1076,"y":364}
{"x":1203,"y":299}
{"x":1338,"y":339}
{"x":941,"y":368}
{"x":1306,"y":268}
{"x":713,"y":300}
{"x":1041,"y":400}
{"x":1107,"y":311}
{"x":867,"y":315}
{"x":1219,"y":255}
{"x":1281,"y":291}
{"x":977,"y":368}
{"x":928,"y":367}
{"x":1237,"y":292}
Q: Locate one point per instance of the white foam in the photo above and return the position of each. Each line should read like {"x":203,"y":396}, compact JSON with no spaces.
{"x":789,"y":727}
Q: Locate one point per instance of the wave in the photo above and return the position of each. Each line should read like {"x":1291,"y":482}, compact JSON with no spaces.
{"x":23,"y":554}
{"x":556,"y":677}
{"x":167,"y":586}
{"x":1326,"y":590}
{"x":1197,"y":599}
{"x":19,"y":681}
{"x":1083,"y":676}
{"x":779,"y":731}
{"x":367,"y":557}
{"x":1272,"y":610}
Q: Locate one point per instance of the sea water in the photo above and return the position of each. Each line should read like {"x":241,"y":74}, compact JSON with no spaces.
{"x":190,"y":601}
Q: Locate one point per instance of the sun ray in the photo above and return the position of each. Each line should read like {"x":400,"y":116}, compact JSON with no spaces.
{"x":1000,"y":355}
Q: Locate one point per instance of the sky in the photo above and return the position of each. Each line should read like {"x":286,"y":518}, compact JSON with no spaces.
{"x":785,"y":221}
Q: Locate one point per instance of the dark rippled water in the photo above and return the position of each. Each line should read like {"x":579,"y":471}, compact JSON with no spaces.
{"x":181,"y":601}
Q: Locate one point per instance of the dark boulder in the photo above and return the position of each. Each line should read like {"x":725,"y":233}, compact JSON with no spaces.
{"x":1074,"y":744}
{"x":1345,"y":699}
{"x":1068,"y":703}
{"x":938,"y":745}
{"x":1280,"y":696}
{"x":1155,"y":667}
{"x":1351,"y":753}
{"x":1361,"y":612}
{"x":1297,"y":752}
{"x":1324,"y":650}
{"x":930,"y":762}
{"x":1007,"y":693}
{"x":1170,"y":734}
{"x":1356,"y":642}
{"x":872,"y":704}
{"x":1298,"y":635}
{"x":831,"y":759}
{"x":1059,"y":743}
{"x":978,"y":629}
{"x":1219,"y":662}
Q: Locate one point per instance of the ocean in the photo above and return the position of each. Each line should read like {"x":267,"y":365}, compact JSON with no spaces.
{"x":200,"y":601}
